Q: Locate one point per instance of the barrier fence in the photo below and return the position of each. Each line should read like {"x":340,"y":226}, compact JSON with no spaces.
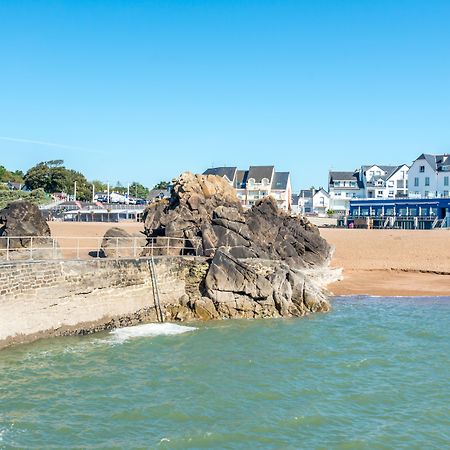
{"x":37,"y":248}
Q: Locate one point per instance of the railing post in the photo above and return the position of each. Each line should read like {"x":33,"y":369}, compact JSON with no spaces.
{"x":54,"y":248}
{"x":152,"y":248}
{"x":168,"y":242}
{"x":7,"y":248}
{"x":31,"y":248}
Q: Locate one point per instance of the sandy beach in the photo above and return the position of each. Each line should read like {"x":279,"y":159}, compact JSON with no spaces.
{"x":391,"y":262}
{"x":374,"y":262}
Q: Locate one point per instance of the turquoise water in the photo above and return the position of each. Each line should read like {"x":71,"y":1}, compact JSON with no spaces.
{"x":373,"y":373}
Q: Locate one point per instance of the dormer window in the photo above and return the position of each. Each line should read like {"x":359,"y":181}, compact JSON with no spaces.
{"x":251,"y":182}
{"x":265,"y":181}
{"x":422,"y":169}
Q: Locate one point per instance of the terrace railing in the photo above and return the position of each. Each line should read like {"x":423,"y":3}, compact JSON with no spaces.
{"x":37,"y":248}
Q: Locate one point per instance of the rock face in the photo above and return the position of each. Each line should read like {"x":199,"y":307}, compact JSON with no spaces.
{"x":118,"y":243}
{"x":260,"y":261}
{"x":21,"y":221}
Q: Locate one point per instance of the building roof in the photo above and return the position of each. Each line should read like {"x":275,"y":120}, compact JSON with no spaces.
{"x":158,"y":193}
{"x":345,"y":176}
{"x":435,"y":161}
{"x":389,"y":170}
{"x":306,"y":193}
{"x":323,"y":191}
{"x":280,"y":180}
{"x":295,"y":198}
{"x":229,"y":172}
{"x":260,"y":172}
{"x":241,"y":179}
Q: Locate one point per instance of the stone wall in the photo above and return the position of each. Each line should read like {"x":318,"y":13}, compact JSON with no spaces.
{"x":39,"y":299}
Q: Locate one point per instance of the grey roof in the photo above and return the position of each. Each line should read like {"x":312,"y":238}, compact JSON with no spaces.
{"x":389,"y":170}
{"x":241,"y":179}
{"x":280,"y":180}
{"x":295,"y":198}
{"x":260,"y":172}
{"x":345,"y":176}
{"x":307,"y":193}
{"x":435,"y":161}
{"x":159,"y":193}
{"x":229,"y":172}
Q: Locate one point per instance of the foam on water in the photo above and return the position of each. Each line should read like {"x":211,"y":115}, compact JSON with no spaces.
{"x":149,"y":330}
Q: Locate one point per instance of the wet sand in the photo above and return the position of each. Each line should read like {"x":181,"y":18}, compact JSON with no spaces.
{"x":374,"y":262}
{"x":391,"y":262}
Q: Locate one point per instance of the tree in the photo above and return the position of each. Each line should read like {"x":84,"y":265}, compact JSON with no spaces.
{"x":6,"y":175}
{"x":162,"y":185}
{"x":138,"y":190}
{"x":99,"y":186}
{"x":53,"y":176}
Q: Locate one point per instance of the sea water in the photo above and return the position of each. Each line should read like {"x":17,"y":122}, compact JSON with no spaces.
{"x":372,"y":373}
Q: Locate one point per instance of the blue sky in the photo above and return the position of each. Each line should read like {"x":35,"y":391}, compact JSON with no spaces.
{"x":143,"y":90}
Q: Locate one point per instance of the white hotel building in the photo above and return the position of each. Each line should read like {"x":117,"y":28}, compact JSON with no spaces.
{"x":429,"y":176}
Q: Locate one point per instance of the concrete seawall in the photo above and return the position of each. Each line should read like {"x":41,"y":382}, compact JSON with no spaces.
{"x":55,"y":298}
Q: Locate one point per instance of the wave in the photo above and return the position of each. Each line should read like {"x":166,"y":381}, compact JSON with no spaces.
{"x":149,"y":330}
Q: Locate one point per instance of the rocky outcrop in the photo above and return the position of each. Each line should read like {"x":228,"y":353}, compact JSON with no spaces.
{"x":118,"y":243}
{"x":24,"y":225}
{"x":261,"y":262}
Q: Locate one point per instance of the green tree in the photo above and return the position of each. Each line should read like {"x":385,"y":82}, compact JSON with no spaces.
{"x":99,"y":186}
{"x":53,"y":176}
{"x":138,"y":190}
{"x":6,"y":175}
{"x":162,"y":185}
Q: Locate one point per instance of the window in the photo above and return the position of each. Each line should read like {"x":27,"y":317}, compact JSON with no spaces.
{"x":427,"y":194}
{"x":427,"y":181}
{"x":416,"y":181}
{"x":422,"y":169}
{"x":445,"y":194}
{"x":445,"y":181}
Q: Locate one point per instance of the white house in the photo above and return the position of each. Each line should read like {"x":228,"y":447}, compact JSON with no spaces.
{"x":311,"y":201}
{"x":256,"y":183}
{"x":385,"y":181}
{"x":321,"y":201}
{"x":342,"y":187}
{"x":429,"y":176}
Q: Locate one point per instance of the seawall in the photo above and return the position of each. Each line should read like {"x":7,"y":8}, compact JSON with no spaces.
{"x":55,"y":298}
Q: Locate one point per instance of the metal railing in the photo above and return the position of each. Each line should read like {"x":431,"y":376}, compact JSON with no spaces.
{"x":41,"y":248}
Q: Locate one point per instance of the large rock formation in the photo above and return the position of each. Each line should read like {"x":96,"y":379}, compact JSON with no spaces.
{"x":262,"y":262}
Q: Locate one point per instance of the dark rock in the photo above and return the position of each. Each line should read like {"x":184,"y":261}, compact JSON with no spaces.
{"x":28,"y":232}
{"x":21,"y":219}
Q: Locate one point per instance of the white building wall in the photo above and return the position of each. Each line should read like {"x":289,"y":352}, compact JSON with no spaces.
{"x":418,"y":180}
{"x":321,"y":202}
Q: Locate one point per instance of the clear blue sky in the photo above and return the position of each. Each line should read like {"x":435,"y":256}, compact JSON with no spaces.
{"x":148,"y":89}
